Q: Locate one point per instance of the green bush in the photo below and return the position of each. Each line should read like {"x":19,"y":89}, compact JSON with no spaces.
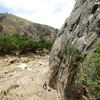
{"x":1,"y":28}
{"x":72,"y":54}
{"x":3,"y":16}
{"x":4,"y":92}
{"x":16,"y":42}
{"x":90,"y":72}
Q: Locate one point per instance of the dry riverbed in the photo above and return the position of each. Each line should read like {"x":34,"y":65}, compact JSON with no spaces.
{"x":22,"y":78}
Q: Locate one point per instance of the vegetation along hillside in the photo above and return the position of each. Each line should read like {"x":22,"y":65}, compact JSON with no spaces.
{"x":18,"y":35}
{"x":10,"y":24}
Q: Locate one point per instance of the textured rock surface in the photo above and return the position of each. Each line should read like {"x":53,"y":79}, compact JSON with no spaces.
{"x":74,"y":30}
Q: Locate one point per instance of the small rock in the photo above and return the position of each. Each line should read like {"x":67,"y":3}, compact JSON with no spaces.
{"x":23,"y":66}
{"x":49,"y":90}
{"x":39,"y":63}
{"x":12,"y":61}
{"x":39,"y":94}
{"x":5,"y":71}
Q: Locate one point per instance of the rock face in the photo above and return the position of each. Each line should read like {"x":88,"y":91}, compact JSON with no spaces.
{"x":75,"y":31}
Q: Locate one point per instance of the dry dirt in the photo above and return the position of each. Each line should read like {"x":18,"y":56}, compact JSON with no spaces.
{"x":22,"y":78}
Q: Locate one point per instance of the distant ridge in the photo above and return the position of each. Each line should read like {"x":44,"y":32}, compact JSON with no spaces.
{"x":10,"y":24}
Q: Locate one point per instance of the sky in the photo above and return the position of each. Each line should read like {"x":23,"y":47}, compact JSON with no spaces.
{"x":48,"y":12}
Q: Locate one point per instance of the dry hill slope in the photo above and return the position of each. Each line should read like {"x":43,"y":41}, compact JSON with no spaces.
{"x":10,"y":24}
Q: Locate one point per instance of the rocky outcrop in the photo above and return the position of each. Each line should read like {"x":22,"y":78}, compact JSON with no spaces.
{"x":74,"y":30}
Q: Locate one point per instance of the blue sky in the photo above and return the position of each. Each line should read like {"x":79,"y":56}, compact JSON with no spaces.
{"x":49,"y":12}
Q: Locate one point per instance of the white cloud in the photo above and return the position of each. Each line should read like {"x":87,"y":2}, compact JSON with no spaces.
{"x":49,"y":12}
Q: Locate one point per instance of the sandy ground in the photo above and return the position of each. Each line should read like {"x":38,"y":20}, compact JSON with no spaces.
{"x":22,"y":78}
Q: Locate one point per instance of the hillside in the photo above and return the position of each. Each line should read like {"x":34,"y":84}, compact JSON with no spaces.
{"x":10,"y":24}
